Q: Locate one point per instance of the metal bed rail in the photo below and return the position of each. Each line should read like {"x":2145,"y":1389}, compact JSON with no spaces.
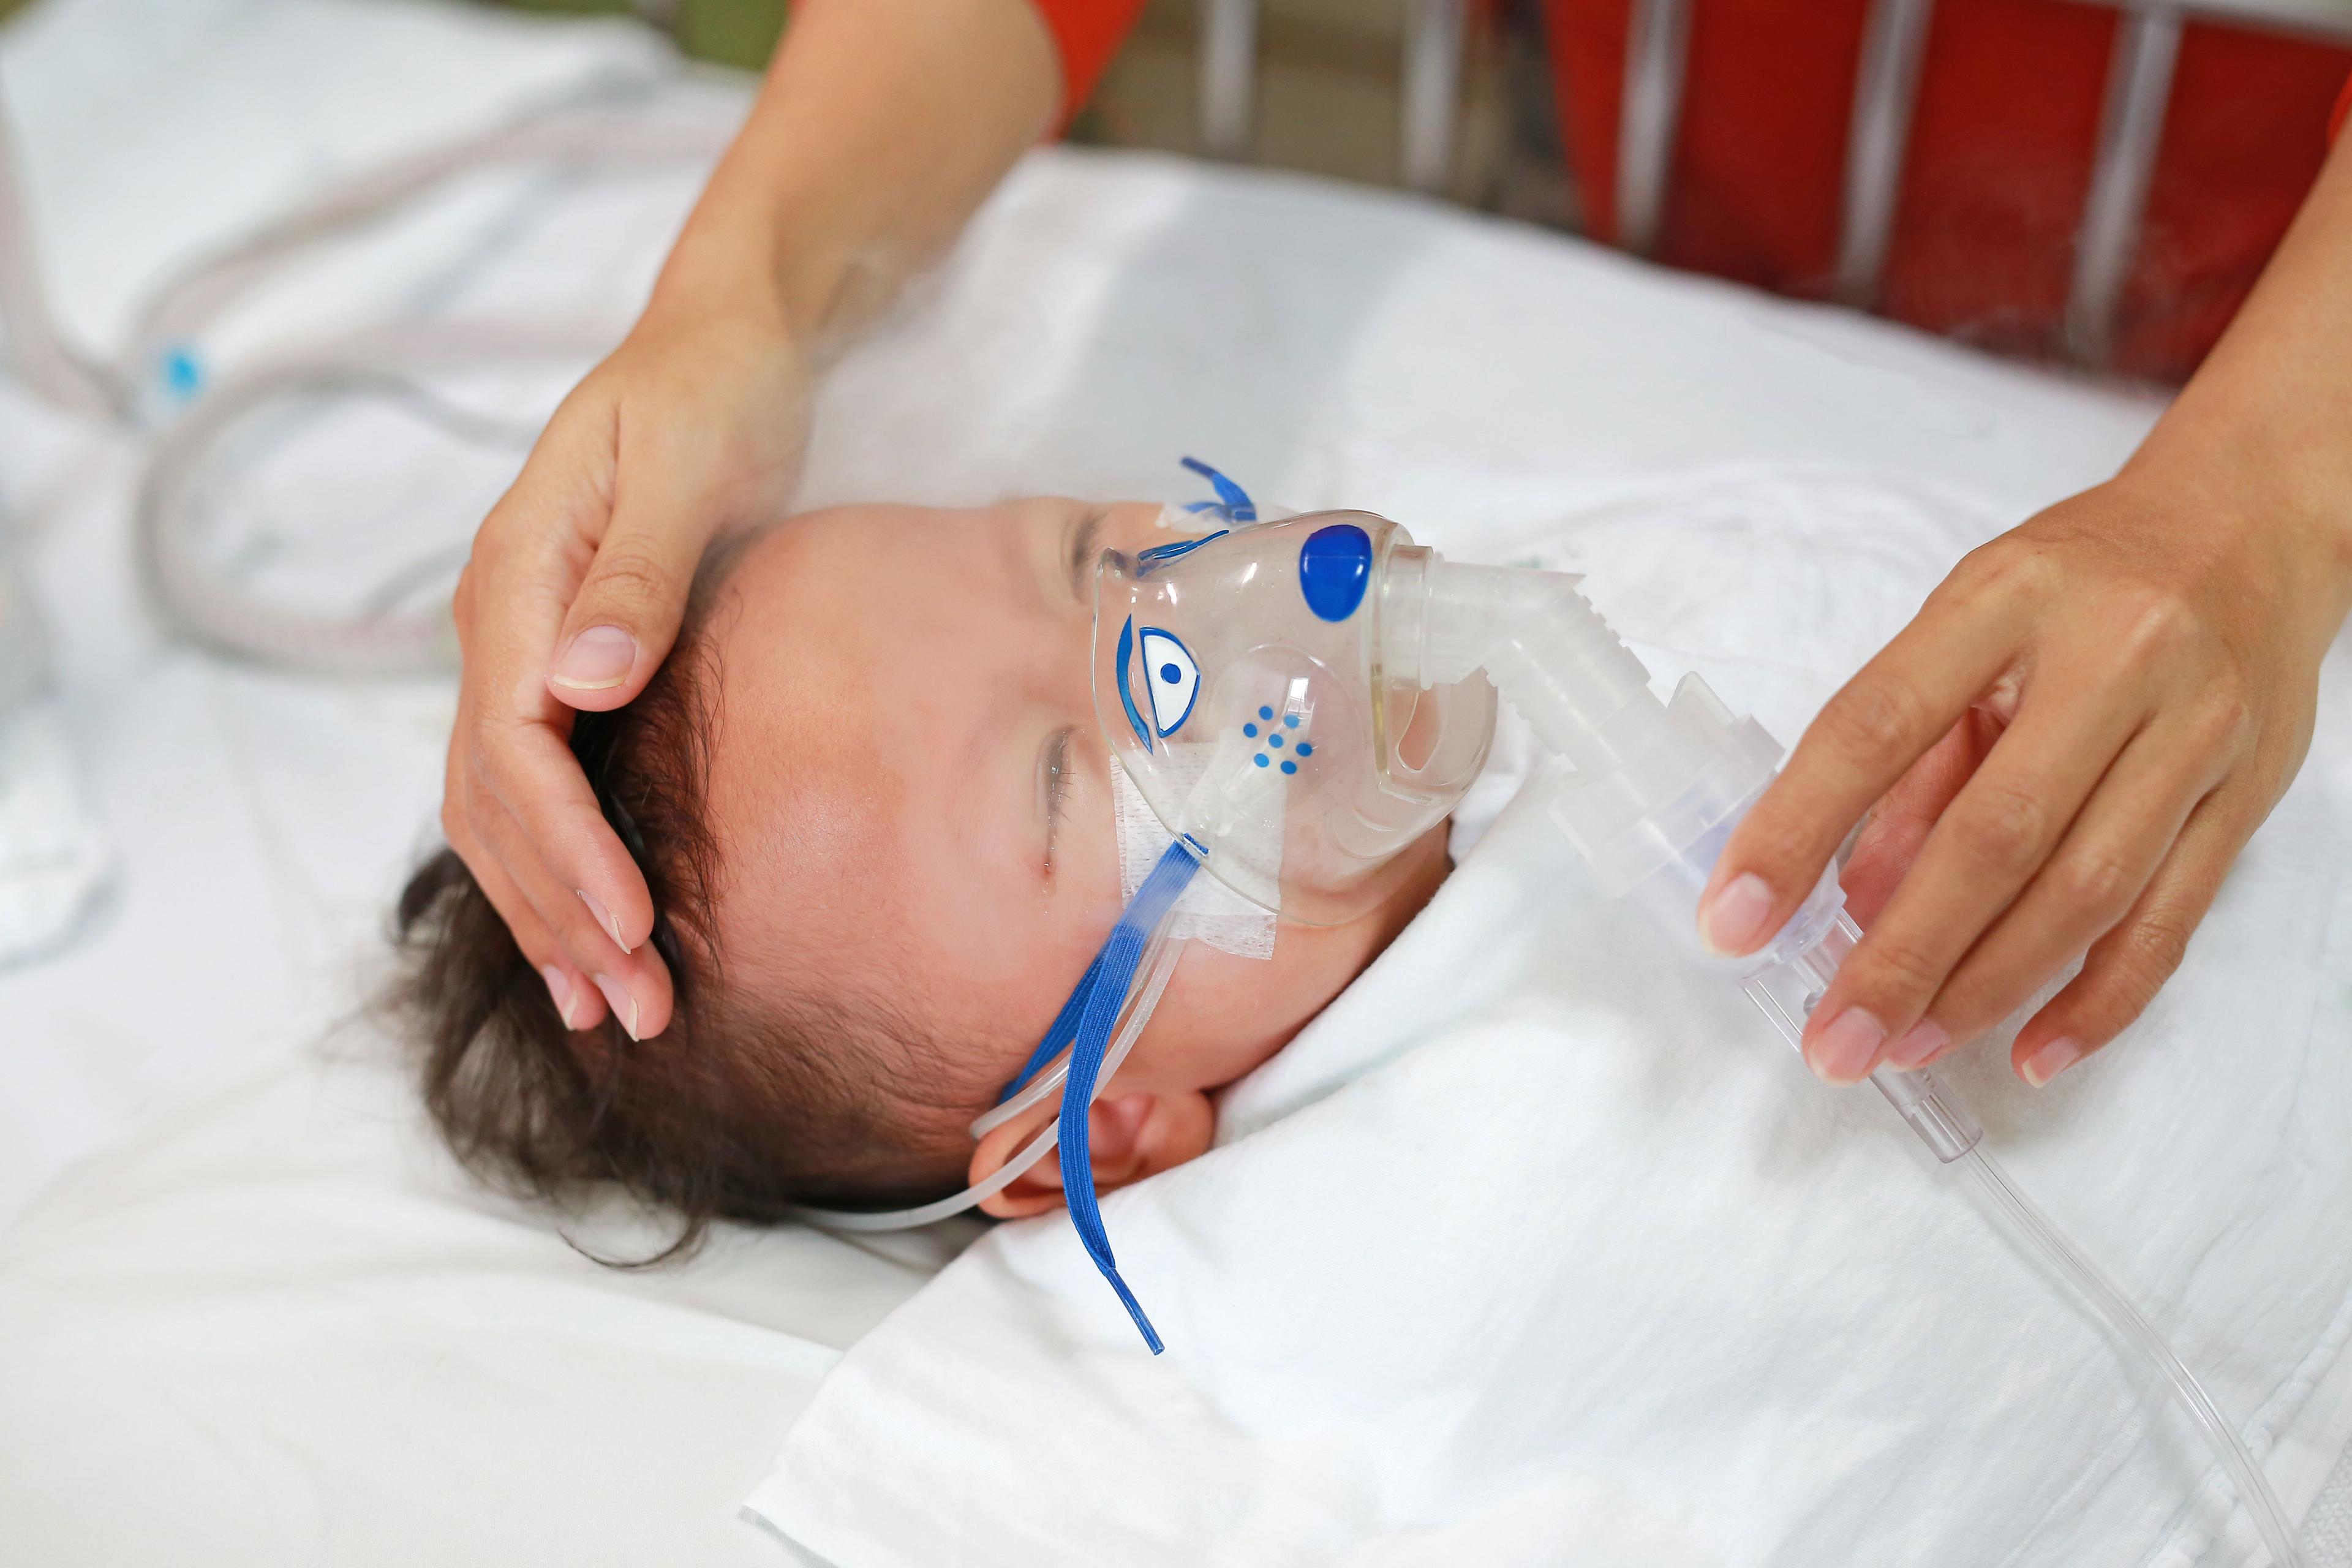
{"x":1894,"y":48}
{"x":1434,"y":33}
{"x":2138,"y":90}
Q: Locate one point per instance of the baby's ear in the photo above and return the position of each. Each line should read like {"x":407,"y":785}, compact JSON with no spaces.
{"x":1130,"y":1136}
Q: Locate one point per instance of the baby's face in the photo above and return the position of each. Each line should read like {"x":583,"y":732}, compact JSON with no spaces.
{"x":914,"y":807}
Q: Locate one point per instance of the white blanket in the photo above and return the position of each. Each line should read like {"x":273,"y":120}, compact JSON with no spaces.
{"x":1536,"y":1246}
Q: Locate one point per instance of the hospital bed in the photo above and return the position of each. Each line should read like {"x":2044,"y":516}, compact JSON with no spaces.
{"x":248,"y":1312}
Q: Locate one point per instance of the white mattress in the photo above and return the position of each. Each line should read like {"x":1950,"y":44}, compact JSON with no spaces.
{"x":267,"y":1324}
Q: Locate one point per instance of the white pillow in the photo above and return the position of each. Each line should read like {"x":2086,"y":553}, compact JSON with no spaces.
{"x":282,"y":1330}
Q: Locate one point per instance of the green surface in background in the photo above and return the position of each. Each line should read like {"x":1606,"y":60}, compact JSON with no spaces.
{"x":729,"y":32}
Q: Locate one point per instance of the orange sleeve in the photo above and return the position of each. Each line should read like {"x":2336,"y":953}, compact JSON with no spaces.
{"x":1086,"y":33}
{"x":2343,"y":105}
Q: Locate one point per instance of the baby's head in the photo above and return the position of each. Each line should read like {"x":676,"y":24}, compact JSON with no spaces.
{"x":871,"y":797}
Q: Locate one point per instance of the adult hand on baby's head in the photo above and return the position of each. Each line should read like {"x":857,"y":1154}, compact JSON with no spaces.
{"x":2067,"y":748}
{"x":578,"y":581}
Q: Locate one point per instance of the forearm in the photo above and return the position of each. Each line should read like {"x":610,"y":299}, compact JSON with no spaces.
{"x":2266,"y":425}
{"x":881,"y":126}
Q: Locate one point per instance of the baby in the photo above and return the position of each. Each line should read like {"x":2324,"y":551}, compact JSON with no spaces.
{"x":872,"y":801}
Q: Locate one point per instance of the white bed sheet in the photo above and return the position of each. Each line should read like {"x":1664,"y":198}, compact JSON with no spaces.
{"x":1538,"y":1235}
{"x":1108,"y":313}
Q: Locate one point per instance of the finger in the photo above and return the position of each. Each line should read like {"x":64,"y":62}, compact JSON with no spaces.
{"x":1865,"y":737}
{"x":1985,"y":847}
{"x":2089,"y":884}
{"x":1898,"y":825}
{"x":621,"y":624}
{"x":2126,"y":968}
{"x":576,"y":935}
{"x":513,"y":736}
{"x":633,"y":980}
{"x":577,"y":1001}
{"x":542,"y":817}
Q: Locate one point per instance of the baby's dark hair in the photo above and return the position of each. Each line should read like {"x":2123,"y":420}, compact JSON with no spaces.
{"x":738,"y":1109}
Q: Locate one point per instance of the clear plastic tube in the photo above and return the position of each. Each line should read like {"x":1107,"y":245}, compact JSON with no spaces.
{"x":1158,"y":964}
{"x":1785,"y":992}
{"x":2035,"y":1230}
{"x":626,"y":121}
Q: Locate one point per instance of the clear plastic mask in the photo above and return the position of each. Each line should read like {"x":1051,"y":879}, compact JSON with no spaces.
{"x":1237,"y":678}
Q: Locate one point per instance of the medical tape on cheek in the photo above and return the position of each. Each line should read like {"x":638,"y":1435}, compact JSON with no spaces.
{"x":1208,"y":911}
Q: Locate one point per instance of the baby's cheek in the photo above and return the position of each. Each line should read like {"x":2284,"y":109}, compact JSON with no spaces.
{"x":1224,"y":1016}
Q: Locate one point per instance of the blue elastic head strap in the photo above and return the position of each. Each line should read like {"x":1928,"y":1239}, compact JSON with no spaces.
{"x":1232,"y":500}
{"x":1085,"y":1024}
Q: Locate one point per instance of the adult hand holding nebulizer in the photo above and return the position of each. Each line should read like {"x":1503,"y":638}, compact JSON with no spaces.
{"x":1298,"y":701}
{"x":1657,"y":789}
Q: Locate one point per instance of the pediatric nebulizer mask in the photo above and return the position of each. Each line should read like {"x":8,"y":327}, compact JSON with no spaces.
{"x":1236,"y":678}
{"x":1298,"y":701}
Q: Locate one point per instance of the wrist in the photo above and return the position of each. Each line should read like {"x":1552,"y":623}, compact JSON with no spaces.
{"x":2268,"y":538}
{"x":2273,"y":475}
{"x":777,"y":266}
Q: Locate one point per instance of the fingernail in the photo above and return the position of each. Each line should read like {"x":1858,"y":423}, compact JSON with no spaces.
{"x":607,"y":921}
{"x":1842,"y":1052}
{"x":597,"y":659}
{"x":625,"y":1006}
{"x":1735,"y":917}
{"x":2054,"y":1057}
{"x":1920,"y":1041}
{"x":559,"y":986}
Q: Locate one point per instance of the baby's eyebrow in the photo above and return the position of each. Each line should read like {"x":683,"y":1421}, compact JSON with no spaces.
{"x":1083,"y":539}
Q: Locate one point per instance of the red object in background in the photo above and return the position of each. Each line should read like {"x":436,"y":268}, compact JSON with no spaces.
{"x":1086,"y":33}
{"x":2004,"y":134}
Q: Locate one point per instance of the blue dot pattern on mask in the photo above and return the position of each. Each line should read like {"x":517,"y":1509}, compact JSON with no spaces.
{"x":1250,"y":729}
